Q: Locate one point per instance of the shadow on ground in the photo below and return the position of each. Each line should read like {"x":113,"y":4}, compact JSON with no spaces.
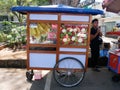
{"x":92,"y":81}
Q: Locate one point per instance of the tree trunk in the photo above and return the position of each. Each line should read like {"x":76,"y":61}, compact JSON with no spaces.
{"x":73,"y":3}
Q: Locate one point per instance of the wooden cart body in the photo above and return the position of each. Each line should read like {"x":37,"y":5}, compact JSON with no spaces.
{"x":71,"y":39}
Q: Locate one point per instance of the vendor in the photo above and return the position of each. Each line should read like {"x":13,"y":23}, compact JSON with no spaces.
{"x":95,"y":43}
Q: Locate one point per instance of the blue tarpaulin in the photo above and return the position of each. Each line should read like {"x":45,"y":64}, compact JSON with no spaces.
{"x":56,"y":9}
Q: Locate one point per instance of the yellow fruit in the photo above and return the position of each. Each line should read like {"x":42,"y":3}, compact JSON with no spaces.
{"x":32,"y":31}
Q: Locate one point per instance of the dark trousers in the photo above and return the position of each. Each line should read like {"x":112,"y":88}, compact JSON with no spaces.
{"x":95,"y":56}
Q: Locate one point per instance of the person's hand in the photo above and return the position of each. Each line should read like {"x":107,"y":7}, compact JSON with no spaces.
{"x":100,"y":34}
{"x":98,"y":31}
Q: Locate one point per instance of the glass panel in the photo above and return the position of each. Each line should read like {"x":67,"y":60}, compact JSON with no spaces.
{"x":43,"y":17}
{"x":43,"y":33}
{"x":75,"y":18}
{"x":73,"y":34}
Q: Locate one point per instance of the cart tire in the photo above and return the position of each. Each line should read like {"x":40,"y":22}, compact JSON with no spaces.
{"x":116,"y":78}
{"x":29,"y":75}
{"x":67,"y":74}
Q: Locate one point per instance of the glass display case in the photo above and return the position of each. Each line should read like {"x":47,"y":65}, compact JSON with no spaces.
{"x":73,"y":34}
{"x":57,"y":36}
{"x":43,"y":33}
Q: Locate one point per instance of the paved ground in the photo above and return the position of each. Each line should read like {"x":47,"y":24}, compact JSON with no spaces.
{"x":15,"y":79}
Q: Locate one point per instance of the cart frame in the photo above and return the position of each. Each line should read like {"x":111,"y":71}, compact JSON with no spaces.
{"x":58,"y":46}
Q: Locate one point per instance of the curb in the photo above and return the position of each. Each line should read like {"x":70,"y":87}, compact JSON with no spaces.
{"x":2,"y":46}
{"x":19,"y":63}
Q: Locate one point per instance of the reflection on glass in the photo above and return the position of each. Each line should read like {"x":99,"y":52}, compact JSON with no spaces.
{"x":73,"y":34}
{"x":43,"y":33}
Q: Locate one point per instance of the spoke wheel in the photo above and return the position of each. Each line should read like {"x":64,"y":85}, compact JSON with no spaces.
{"x":69,"y":72}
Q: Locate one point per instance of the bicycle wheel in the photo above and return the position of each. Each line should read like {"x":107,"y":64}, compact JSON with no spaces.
{"x":69,"y":72}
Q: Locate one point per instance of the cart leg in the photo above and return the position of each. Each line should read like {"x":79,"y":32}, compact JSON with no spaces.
{"x":29,"y":75}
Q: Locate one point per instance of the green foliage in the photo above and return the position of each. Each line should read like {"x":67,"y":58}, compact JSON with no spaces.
{"x":41,"y":2}
{"x":5,"y":5}
{"x":6,"y":27}
{"x":17,"y":35}
{"x":12,"y":34}
{"x":3,"y":37}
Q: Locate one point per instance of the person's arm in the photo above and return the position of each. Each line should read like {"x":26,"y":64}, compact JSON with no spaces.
{"x":100,"y":34}
{"x":92,"y":36}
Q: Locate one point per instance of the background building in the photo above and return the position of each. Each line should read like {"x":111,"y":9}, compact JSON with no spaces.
{"x":107,"y":21}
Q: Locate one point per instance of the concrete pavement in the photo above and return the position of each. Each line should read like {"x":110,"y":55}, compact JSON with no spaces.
{"x":15,"y":79}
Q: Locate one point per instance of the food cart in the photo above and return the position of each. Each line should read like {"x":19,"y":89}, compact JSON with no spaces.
{"x":114,"y":60}
{"x":58,"y":39}
{"x":114,"y":57}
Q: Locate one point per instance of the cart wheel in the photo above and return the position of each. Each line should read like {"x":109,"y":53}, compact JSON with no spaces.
{"x":116,"y":78}
{"x":29,"y":75}
{"x":69,"y":72}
